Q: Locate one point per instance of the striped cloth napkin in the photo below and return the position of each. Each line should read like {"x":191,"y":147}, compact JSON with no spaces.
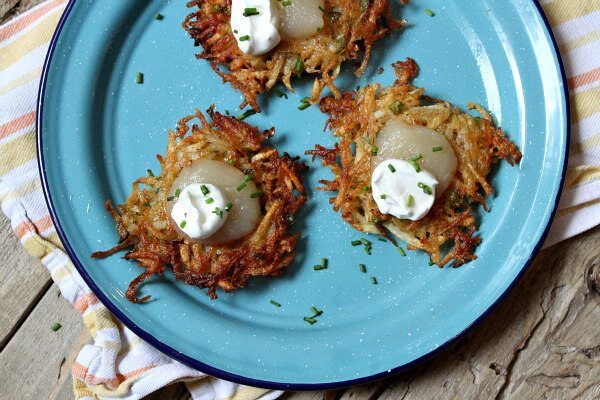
{"x":119,"y":364}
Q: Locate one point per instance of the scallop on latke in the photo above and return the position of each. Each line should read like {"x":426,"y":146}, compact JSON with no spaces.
{"x":385,"y":129}
{"x":218,"y":213}
{"x":347,"y":31}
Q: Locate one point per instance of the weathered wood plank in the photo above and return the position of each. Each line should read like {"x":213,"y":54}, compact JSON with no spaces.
{"x":542,"y":342}
{"x":23,"y":281}
{"x":317,"y":395}
{"x":11,"y":8}
{"x":35,"y":363}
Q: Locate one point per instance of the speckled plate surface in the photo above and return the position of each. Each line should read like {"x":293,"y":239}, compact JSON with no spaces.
{"x":98,"y":131}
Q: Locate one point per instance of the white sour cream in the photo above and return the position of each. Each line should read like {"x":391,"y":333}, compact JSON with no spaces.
{"x":255,"y":34}
{"x":196,"y":215}
{"x":401,"y":191}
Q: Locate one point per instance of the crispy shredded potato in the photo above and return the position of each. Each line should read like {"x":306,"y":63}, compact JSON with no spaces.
{"x":144,"y":226}
{"x":447,"y":232}
{"x":350,"y":28}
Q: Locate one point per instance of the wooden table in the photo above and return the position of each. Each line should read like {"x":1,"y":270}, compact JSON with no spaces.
{"x":543,"y":341}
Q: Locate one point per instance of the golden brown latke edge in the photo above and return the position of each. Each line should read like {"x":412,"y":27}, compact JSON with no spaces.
{"x":266,"y":251}
{"x":452,"y":217}
{"x":209,"y":27}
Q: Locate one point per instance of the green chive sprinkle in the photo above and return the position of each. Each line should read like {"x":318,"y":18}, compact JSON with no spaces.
{"x":159,"y":16}
{"x":391,"y":167}
{"x":228,"y":207}
{"x":322,"y":9}
{"x":431,"y":263}
{"x":409,"y":200}
{"x":401,"y":251}
{"x":477,"y":120}
{"x":230,"y":162}
{"x":55,"y":326}
{"x":245,"y":115}
{"x":248,"y":177}
{"x":219,"y":212}
{"x":309,"y":320}
{"x":365,"y":188}
{"x":324,"y":262}
{"x":139,"y":78}
{"x":365,"y":241}
{"x":299,"y":67}
{"x":182,"y":225}
{"x":169,"y":198}
{"x":249,"y":11}
{"x":383,"y":196}
{"x":374,"y":280}
{"x":429,"y":12}
{"x":177,"y":192}
{"x":315,"y":312}
{"x":355,"y":242}
{"x":436,"y":149}
{"x":416,"y":157}
{"x":204,"y":190}
{"x":244,"y":38}
{"x":286,"y":2}
{"x":368,"y":250}
{"x":256,"y":194}
{"x":416,"y":166}
{"x":319,"y":267}
{"x":362,"y":268}
{"x":374,"y":150}
{"x":426,"y":189}
{"x":150,"y":173}
{"x":210,"y":200}
{"x":303,"y":106}
{"x":276,"y":304}
{"x":382,"y":239}
{"x":241,"y":187}
{"x":279,"y":93}
{"x":397,"y":107}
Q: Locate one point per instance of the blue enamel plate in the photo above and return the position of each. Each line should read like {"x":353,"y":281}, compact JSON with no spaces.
{"x":98,"y":131}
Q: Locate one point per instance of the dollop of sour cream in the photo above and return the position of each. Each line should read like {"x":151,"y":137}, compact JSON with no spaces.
{"x":401,"y":191}
{"x":255,"y":25}
{"x":200,"y":210}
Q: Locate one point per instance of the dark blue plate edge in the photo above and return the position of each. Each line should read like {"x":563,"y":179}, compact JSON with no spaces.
{"x":196,"y":364}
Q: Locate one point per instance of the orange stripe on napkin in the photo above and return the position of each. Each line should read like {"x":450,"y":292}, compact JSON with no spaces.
{"x":85,"y":302}
{"x":584,"y":79}
{"x":17,"y":124}
{"x":40,"y":225}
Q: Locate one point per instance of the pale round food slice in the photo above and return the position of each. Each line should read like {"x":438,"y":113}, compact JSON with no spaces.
{"x":301,"y":18}
{"x":244,"y":214}
{"x":400,"y":140}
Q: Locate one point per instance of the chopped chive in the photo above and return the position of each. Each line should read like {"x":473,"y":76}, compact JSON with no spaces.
{"x":159,"y":16}
{"x":230,"y":162}
{"x":362,"y":268}
{"x":374,"y":280}
{"x":436,"y":149}
{"x":299,"y":67}
{"x":177,"y":192}
{"x":429,"y":12}
{"x":391,"y":167}
{"x":315,"y":312}
{"x":245,"y":115}
{"x":409,"y":200}
{"x":426,"y":189}
{"x":322,"y":9}
{"x":303,"y":106}
{"x":279,"y":93}
{"x":182,"y":224}
{"x":55,"y":326}
{"x":382,"y":239}
{"x":286,"y":2}
{"x":309,"y":320}
{"x":374,"y":150}
{"x":365,"y":241}
{"x":248,"y":177}
{"x":139,"y":78}
{"x":169,"y":198}
{"x":401,"y":251}
{"x":383,"y":196}
{"x":241,"y":186}
{"x":218,"y":211}
{"x":249,"y":11}
{"x":244,"y":38}
{"x":355,"y":242}
{"x":319,"y":267}
{"x":276,"y":304}
{"x":397,"y":107}
{"x":228,"y":207}
{"x":256,"y":194}
{"x":431,"y":263}
{"x":204,"y":190}
{"x":210,"y":200}
{"x":416,"y":157}
{"x":416,"y":166}
{"x":235,"y":31}
{"x":150,"y":173}
{"x":367,"y":250}
{"x":365,"y":188}
{"x":477,"y":120}
{"x":324,"y":262}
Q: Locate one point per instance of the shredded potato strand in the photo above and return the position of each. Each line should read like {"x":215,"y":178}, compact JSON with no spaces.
{"x":356,"y":118}
{"x":144,"y":226}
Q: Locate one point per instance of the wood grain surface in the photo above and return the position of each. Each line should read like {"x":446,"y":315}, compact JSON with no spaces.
{"x":542,"y":342}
